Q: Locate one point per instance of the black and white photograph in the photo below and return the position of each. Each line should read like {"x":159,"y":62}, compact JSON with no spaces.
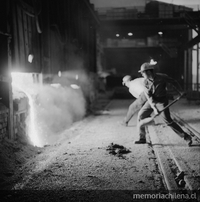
{"x":99,"y":100}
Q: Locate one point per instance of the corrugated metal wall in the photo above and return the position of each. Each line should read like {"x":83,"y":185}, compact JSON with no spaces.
{"x":53,"y":31}
{"x":26,"y":37}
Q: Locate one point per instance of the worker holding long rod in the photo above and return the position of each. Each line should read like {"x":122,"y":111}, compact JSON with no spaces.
{"x":155,"y":91}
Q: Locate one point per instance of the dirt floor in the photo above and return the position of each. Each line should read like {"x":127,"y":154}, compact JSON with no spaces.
{"x":94,"y":160}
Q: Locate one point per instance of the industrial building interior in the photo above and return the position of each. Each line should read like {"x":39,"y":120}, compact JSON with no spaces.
{"x":164,"y":32}
{"x":49,"y":47}
{"x":59,"y":59}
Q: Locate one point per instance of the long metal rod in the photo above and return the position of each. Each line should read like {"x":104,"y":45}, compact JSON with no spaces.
{"x":149,"y":119}
{"x":11,"y":134}
{"x":11,"y":113}
{"x":197,"y":67}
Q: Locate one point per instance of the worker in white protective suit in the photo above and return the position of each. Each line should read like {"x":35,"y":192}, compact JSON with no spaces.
{"x":136,"y":90}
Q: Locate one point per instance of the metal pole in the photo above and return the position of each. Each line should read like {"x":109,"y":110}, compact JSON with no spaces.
{"x":11,"y":117}
{"x":10,"y":95}
{"x":197,"y":67}
{"x":185,"y":72}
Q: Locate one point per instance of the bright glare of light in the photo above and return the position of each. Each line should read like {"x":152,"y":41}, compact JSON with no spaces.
{"x":117,"y":35}
{"x":160,"y":33}
{"x":24,"y":82}
{"x":32,"y":128}
{"x":30,"y":58}
{"x":75,"y":86}
{"x":130,"y":34}
{"x":56,"y":85}
{"x":152,"y":62}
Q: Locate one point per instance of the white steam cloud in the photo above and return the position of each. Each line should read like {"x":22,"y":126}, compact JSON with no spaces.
{"x":56,"y":106}
{"x":56,"y":109}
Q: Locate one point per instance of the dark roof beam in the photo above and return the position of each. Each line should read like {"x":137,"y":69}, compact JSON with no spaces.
{"x":92,"y":11}
{"x":191,"y":43}
{"x":138,"y":28}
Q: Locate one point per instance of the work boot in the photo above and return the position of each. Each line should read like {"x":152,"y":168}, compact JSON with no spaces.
{"x":188,"y":138}
{"x":140,"y":141}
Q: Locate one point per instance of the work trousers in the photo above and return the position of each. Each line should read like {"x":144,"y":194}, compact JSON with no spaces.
{"x":165,"y":116}
{"x":135,"y":106}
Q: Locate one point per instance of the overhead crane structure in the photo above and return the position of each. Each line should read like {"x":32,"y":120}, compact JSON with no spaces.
{"x":173,"y":29}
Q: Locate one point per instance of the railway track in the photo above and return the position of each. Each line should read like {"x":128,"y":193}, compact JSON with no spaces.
{"x":179,"y":164}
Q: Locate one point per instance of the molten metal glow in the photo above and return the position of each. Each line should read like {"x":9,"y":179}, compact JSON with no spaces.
{"x":32,"y":127}
{"x":24,"y":82}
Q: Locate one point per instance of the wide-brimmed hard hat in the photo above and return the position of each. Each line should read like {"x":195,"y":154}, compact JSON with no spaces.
{"x":146,"y":66}
{"x":125,"y":79}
